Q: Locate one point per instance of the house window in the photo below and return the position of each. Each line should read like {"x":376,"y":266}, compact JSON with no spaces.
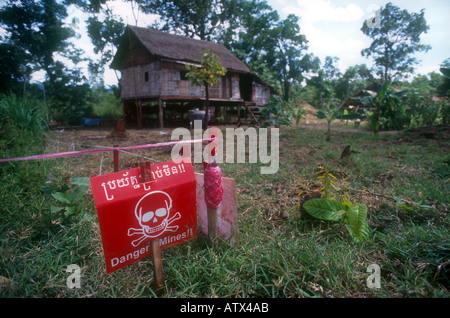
{"x":183,"y":76}
{"x":146,"y":76}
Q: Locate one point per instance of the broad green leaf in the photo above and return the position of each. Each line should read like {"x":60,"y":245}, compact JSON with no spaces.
{"x":78,"y":193}
{"x":382,"y":91}
{"x":61,"y":197}
{"x":321,"y":114}
{"x":81,"y":181}
{"x":356,"y":218}
{"x":69,"y":211}
{"x":55,"y":209}
{"x":325,"y":209}
{"x":367,"y":100}
{"x":365,"y":230}
{"x":81,"y":186}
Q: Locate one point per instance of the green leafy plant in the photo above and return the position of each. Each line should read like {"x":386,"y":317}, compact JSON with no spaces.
{"x":297,"y":113}
{"x":422,"y":110}
{"x":67,"y":194}
{"x":22,"y":114}
{"x":407,"y":205}
{"x":277,"y":112}
{"x":331,"y":112}
{"x":329,"y":182}
{"x":353,"y":215}
{"x":208,"y":75}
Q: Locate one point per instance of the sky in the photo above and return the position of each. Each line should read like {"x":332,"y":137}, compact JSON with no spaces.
{"x":332,"y":28}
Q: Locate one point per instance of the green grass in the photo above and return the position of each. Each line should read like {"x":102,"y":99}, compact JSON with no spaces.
{"x":282,"y":252}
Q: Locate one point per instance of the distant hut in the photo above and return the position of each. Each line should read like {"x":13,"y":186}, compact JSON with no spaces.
{"x":353,"y":103}
{"x":154,"y":88}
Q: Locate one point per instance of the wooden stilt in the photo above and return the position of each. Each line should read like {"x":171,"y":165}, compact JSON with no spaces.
{"x":140,"y":115}
{"x":116,"y":159}
{"x":160,"y":114}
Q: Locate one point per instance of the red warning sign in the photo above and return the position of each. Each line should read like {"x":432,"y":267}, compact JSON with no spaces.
{"x":132,"y":213}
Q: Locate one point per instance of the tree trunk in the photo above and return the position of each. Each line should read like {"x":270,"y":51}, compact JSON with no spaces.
{"x":287,"y":87}
{"x":329,"y":130}
{"x":377,"y":118}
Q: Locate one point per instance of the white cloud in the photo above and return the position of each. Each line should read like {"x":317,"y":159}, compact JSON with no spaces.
{"x":425,"y":70}
{"x":332,"y":29}
{"x":324,"y":10}
{"x":322,"y":44}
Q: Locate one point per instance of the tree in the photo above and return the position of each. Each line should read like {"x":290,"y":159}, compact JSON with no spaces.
{"x":324,"y":82}
{"x":395,"y":41}
{"x":444,"y":88}
{"x":12,"y":69}
{"x":207,"y":75}
{"x":37,"y":30}
{"x":246,"y":35}
{"x":193,"y":18}
{"x":284,"y":49}
{"x":105,"y":33}
{"x":354,"y":79}
{"x":251,"y":29}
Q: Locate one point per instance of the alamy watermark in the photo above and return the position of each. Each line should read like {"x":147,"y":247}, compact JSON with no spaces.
{"x":374,"y":279}
{"x":74,"y":280}
{"x":374,"y":22}
{"x":257,"y":147}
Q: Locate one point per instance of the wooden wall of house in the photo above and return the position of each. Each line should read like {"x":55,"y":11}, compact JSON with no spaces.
{"x":235,"y":90}
{"x":261,"y":94}
{"x":141,"y":81}
{"x":160,"y":78}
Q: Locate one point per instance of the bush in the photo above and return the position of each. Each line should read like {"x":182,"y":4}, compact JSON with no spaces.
{"x":421,"y":110}
{"x":21,"y":114}
{"x":277,"y":112}
{"x":445,"y":111}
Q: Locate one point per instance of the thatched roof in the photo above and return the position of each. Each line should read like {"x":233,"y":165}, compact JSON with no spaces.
{"x":177,"y":48}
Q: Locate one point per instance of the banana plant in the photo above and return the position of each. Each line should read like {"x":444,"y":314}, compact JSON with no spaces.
{"x":331,"y":113}
{"x":387,"y":105}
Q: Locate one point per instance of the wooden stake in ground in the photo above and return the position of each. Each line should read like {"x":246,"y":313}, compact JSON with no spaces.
{"x":157,"y":265}
{"x":146,"y":176}
{"x":213,"y":196}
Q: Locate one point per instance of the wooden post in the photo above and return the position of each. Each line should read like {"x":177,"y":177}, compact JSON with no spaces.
{"x":160,"y":113}
{"x":140,"y":115}
{"x":157,"y":264}
{"x":146,"y":173}
{"x":44,"y":143}
{"x":116,"y":159}
{"x":124,"y":112}
{"x":138,"y":118}
{"x":213,"y":188}
{"x":239,"y":113}
{"x":212,"y":225}
{"x":146,"y":176}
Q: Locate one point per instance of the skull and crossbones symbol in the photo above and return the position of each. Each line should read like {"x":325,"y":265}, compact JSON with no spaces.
{"x":155,"y":221}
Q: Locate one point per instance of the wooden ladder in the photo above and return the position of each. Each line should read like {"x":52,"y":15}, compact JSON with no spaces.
{"x":254,"y":111}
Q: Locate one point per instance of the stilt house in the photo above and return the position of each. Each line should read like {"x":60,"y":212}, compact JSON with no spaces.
{"x":156,"y":93}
